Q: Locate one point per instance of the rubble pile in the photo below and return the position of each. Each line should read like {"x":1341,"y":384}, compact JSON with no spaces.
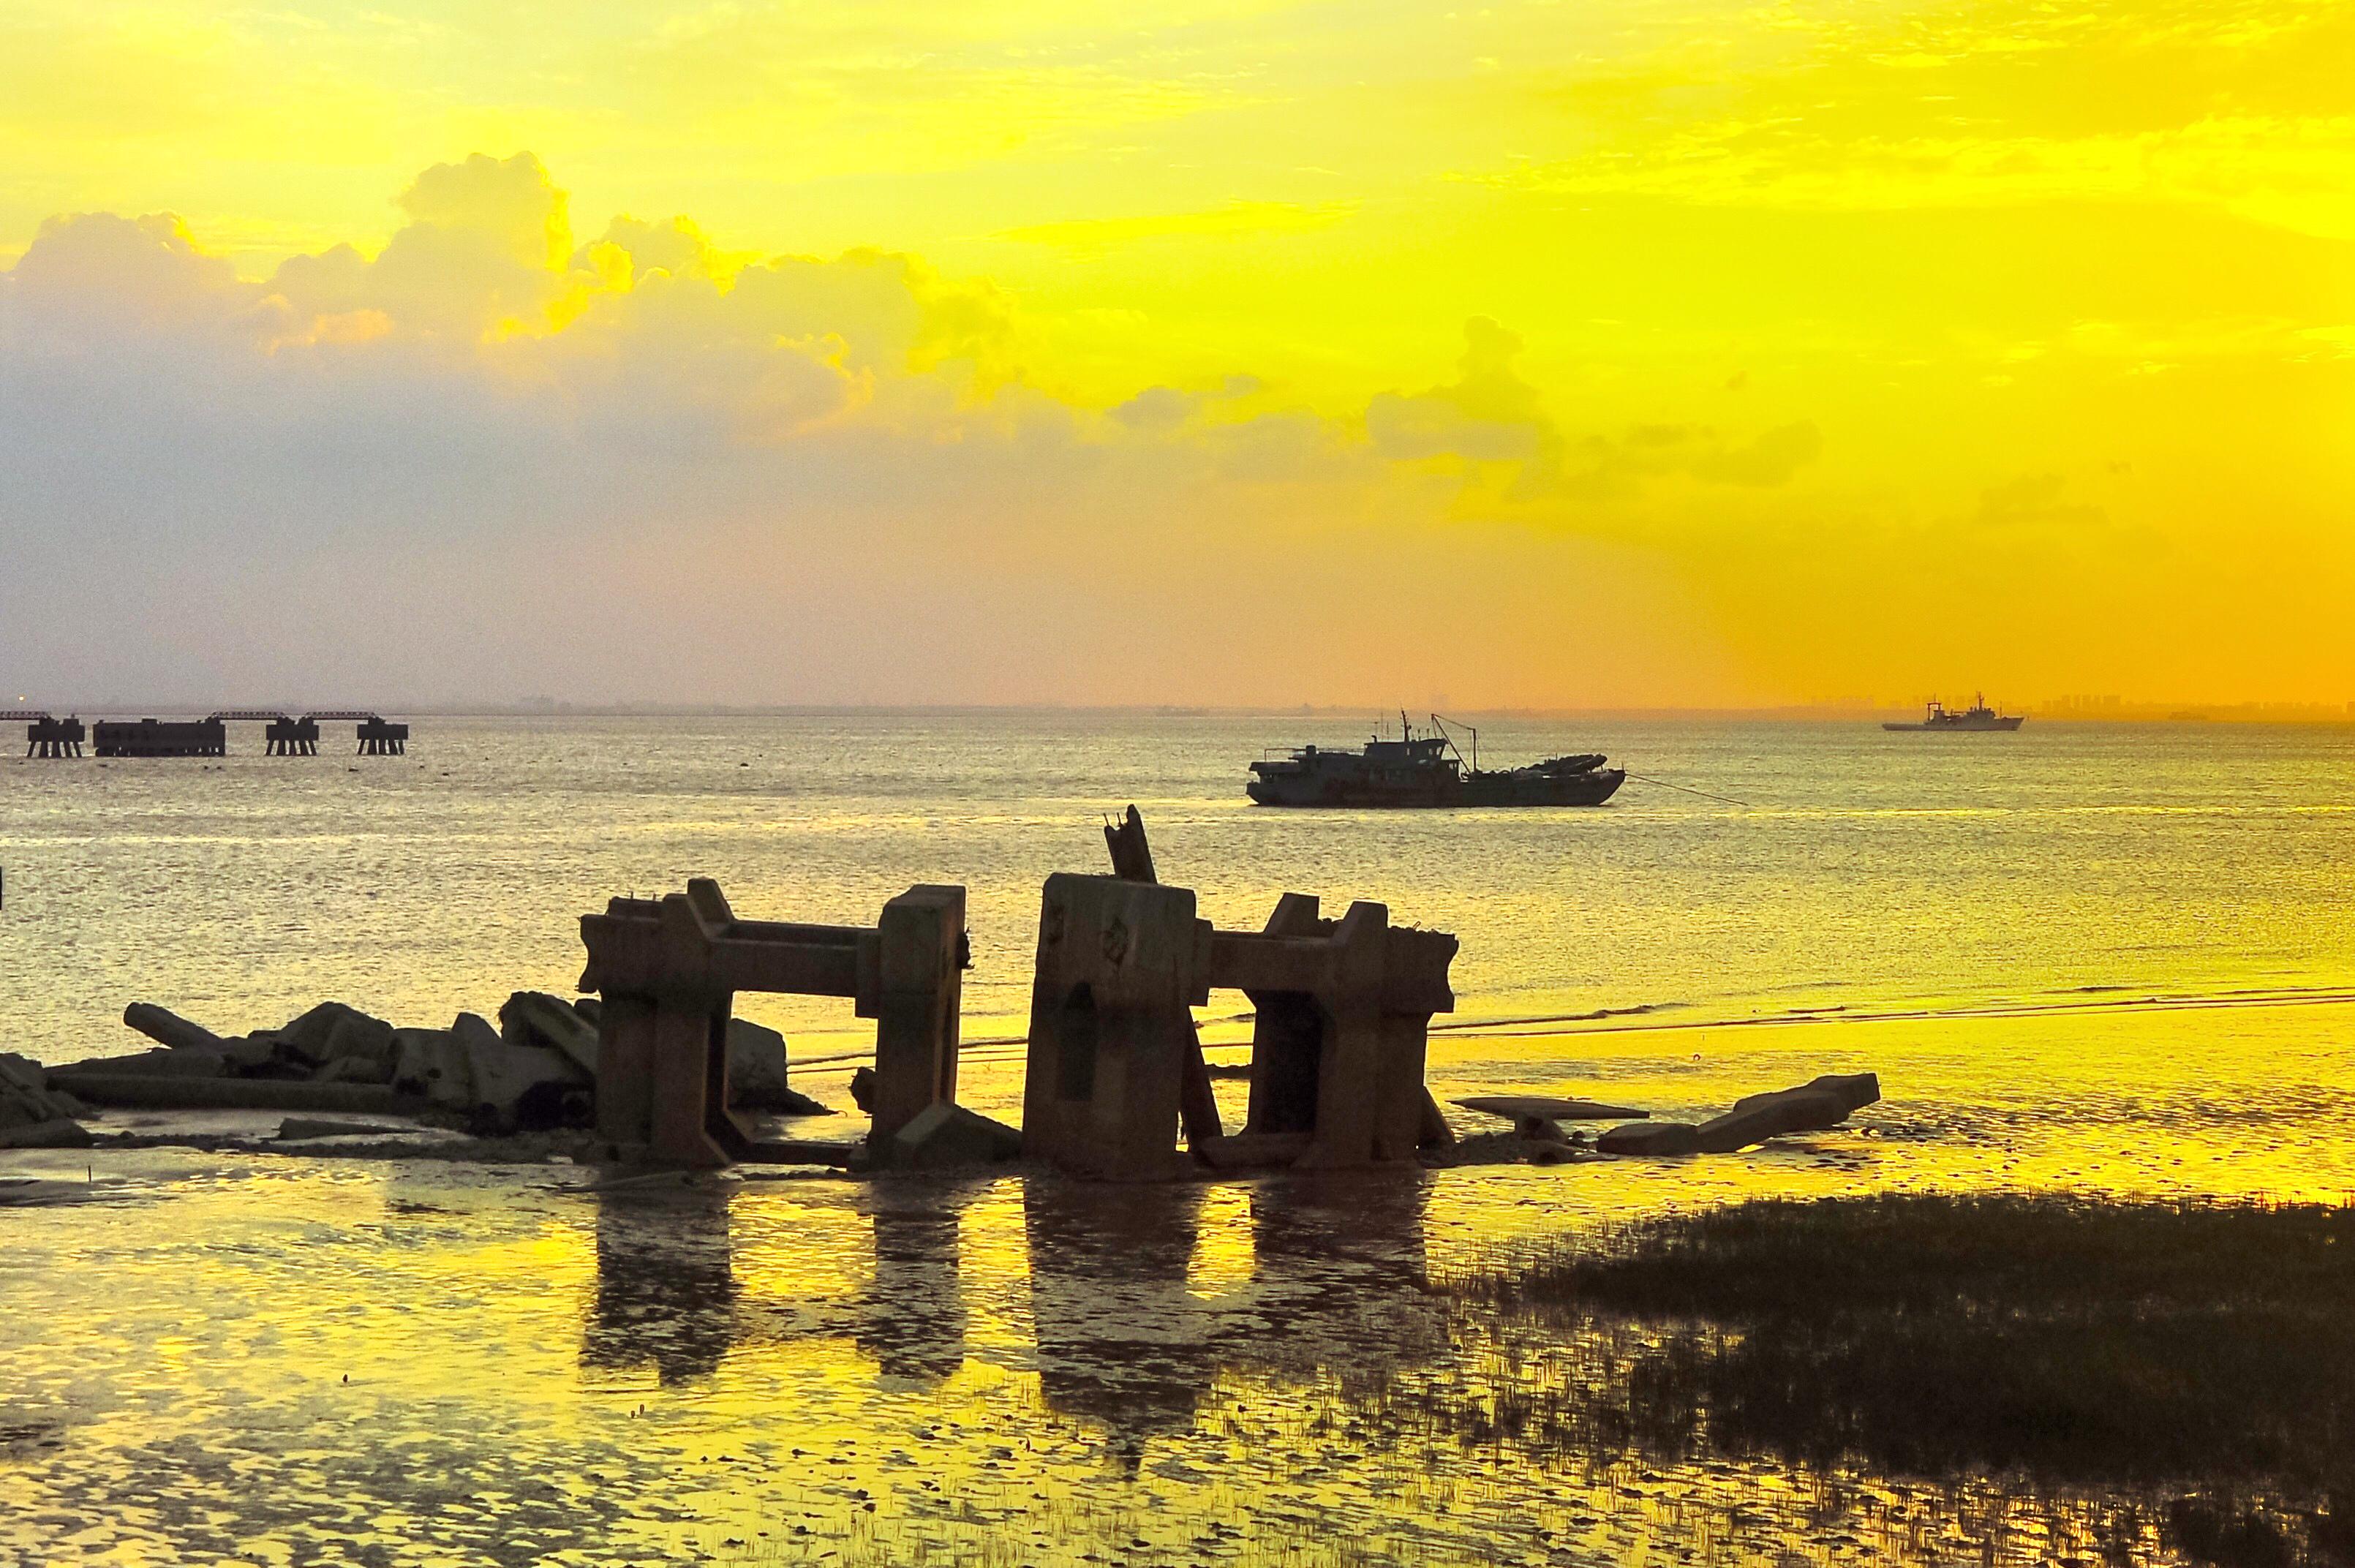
{"x":534,"y":1071}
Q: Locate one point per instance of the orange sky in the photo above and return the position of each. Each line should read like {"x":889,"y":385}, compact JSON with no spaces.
{"x":1620,"y":353}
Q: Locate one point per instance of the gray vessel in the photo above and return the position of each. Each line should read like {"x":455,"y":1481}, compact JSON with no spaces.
{"x":1978,"y":718}
{"x":1426,"y":771}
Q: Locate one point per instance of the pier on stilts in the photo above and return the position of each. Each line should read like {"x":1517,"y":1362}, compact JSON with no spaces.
{"x":48,"y":737}
{"x":283,"y":735}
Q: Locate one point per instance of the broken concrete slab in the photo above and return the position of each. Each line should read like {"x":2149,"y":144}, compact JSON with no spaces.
{"x":167,"y":1092}
{"x":1857,"y":1090}
{"x":184,"y":1062}
{"x":355,"y":1070}
{"x":57,"y":1133}
{"x":430,"y":1063}
{"x":944,"y":1134}
{"x":1535,"y":1115}
{"x":296,"y":1129}
{"x":526,"y":1087}
{"x":169,"y":1029}
{"x":28,"y":1097}
{"x":331,"y":1030}
{"x":757,"y":1072}
{"x":1667,"y":1140}
{"x":536,"y":1018}
{"x":1814,"y":1106}
{"x":250,"y":1053}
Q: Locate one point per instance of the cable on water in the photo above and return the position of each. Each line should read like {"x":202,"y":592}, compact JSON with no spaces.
{"x":1664,"y":783}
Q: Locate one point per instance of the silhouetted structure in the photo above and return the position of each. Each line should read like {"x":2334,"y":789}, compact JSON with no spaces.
{"x":159,"y":738}
{"x":1426,"y":771}
{"x":379,"y":739}
{"x":667,"y":970}
{"x":48,"y":737}
{"x":285,"y":735}
{"x":293,"y":738}
{"x":1343,"y":1013}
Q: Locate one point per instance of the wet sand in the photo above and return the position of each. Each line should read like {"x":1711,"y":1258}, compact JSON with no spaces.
{"x":281,"y":1358}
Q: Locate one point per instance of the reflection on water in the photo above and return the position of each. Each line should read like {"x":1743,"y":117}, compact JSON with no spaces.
{"x":666,"y":1294}
{"x":1011,"y":1369}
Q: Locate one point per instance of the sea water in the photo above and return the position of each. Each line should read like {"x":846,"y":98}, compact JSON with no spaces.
{"x":2110,"y":958}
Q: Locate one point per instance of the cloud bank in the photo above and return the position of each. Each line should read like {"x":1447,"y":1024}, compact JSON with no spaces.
{"x":493,"y":458}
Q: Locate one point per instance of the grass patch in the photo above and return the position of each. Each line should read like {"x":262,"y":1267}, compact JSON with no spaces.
{"x":2200,"y":1353}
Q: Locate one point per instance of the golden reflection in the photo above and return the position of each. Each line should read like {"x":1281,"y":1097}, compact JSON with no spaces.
{"x":666,"y":1294}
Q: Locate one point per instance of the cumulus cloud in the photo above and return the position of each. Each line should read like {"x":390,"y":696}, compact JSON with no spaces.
{"x":489,"y":405}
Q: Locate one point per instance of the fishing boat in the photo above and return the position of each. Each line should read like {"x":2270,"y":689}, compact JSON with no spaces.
{"x":1978,"y":718}
{"x":1425,"y":769}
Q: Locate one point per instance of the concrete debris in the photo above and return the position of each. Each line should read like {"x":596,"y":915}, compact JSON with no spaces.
{"x":34,"y":1114}
{"x":757,"y":1072}
{"x":187,"y":1061}
{"x":132,"y":1092}
{"x":294,"y":1129}
{"x":60,"y":1132}
{"x":1536,"y":1116}
{"x":944,"y":1134}
{"x":518,"y":1088}
{"x":355,"y":1070}
{"x":170,"y":1031}
{"x":430,"y":1063}
{"x":1812,"y":1106}
{"x":535,"y":1019}
{"x":1660,"y":1139}
{"x":1508,"y":1148}
{"x":1822,"y":1102}
{"x":331,"y":1031}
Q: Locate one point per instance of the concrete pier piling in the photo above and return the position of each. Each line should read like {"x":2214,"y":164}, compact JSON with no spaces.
{"x":283,"y":734}
{"x":48,"y":737}
{"x":379,"y":739}
{"x":291,"y":737}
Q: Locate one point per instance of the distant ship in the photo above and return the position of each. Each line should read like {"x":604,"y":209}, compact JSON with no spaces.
{"x":1426,"y":771}
{"x":1978,"y":716}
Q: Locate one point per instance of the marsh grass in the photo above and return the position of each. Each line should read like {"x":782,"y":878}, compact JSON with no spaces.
{"x":2200,"y":1355}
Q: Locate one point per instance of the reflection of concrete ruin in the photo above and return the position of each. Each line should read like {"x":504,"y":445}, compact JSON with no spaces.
{"x":666,"y":1285}
{"x":1344,"y":1014}
{"x":668,"y":1294}
{"x":667,"y":970}
{"x":1126,"y":1342}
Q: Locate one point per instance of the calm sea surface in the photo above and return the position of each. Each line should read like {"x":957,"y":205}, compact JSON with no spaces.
{"x":2109,"y":957}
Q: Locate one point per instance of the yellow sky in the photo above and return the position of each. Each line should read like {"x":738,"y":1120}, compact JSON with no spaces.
{"x":1688,"y":352}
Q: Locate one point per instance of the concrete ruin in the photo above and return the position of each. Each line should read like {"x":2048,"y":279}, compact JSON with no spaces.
{"x":1344,"y":1011}
{"x":666,"y":972}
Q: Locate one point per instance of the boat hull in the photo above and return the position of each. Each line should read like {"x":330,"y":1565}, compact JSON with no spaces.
{"x":1975,"y":727}
{"x":1589,"y":788}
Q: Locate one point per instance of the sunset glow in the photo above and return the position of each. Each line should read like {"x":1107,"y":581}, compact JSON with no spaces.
{"x":1535,"y":354}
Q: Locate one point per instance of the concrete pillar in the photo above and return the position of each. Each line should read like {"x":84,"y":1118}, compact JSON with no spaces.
{"x":922,"y":961}
{"x":1119,"y":965}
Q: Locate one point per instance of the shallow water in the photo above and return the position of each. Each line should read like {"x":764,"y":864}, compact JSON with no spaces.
{"x":2106,"y":958}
